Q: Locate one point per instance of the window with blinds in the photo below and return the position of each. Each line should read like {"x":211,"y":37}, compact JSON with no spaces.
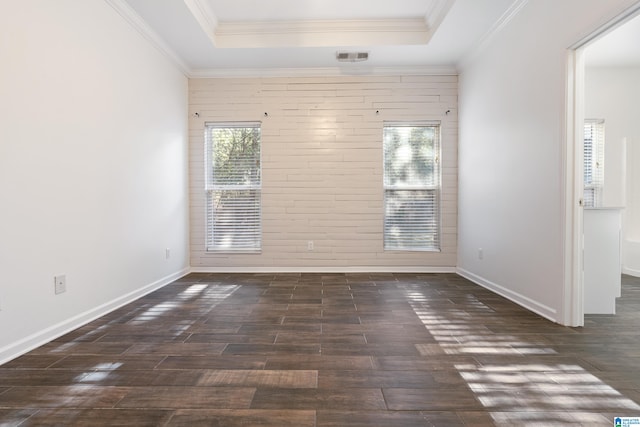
{"x":411,"y":156}
{"x":593,"y":162}
{"x":233,"y":187}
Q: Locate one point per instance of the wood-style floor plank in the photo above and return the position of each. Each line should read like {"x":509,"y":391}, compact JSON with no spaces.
{"x":99,"y":417}
{"x":188,"y":397}
{"x":266,"y":379}
{"x":243,"y":418}
{"x":329,"y":350}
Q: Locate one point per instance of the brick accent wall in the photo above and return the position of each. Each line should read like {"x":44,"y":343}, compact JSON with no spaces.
{"x":322,"y":167}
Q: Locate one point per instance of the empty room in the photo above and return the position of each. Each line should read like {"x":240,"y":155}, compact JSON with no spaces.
{"x":319,"y":212}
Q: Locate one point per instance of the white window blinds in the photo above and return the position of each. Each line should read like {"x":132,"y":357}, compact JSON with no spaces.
{"x":233,"y":186}
{"x":593,"y":162}
{"x":412,"y":186}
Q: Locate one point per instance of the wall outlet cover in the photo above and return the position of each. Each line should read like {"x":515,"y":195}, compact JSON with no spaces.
{"x":60,"y":284}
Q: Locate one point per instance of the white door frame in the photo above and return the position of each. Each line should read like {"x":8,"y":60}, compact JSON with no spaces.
{"x":573,"y":292}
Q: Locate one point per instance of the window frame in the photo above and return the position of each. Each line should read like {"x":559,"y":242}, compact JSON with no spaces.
{"x":595,"y":158}
{"x":436,"y":187}
{"x":211,"y":187}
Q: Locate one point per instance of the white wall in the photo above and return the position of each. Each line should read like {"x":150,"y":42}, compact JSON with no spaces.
{"x":93,"y":167}
{"x":612,"y":94}
{"x":511,"y":182}
{"x":322,"y":167}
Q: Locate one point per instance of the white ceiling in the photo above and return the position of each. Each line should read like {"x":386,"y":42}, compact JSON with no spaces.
{"x":301,"y":37}
{"x":297,"y":10}
{"x":250,"y":37}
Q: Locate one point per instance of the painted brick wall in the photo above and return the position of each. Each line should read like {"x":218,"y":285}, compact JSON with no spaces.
{"x":322,"y":167}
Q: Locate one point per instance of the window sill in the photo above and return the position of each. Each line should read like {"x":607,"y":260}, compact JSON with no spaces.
{"x":234,"y":252}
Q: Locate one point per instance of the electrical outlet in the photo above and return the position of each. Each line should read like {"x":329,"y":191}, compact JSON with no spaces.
{"x":480,"y":254}
{"x":310,"y":245}
{"x":167,"y":253}
{"x":60,"y":284}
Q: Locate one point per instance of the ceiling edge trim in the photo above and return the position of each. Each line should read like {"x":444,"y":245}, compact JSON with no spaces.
{"x":486,"y":40}
{"x":205,"y":17}
{"x":138,"y":24}
{"x":321,"y":26}
{"x":609,"y":25}
{"x":324,"y":72}
{"x":314,"y":33}
{"x":437,"y":13}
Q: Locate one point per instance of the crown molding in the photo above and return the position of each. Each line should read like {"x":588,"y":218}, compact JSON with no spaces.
{"x":339,"y":33}
{"x":132,"y":17}
{"x":436,"y":14}
{"x":486,"y":40}
{"x":359,"y":32}
{"x":609,"y":24}
{"x":323,"y":72}
{"x":321,"y":26}
{"x":205,"y":17}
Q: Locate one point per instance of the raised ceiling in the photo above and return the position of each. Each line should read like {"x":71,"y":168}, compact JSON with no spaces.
{"x":302,"y":37}
{"x":272,"y":37}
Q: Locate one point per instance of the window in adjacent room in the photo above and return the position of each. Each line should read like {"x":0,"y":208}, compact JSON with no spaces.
{"x":233,"y":187}
{"x":593,"y":162}
{"x":412,"y":186}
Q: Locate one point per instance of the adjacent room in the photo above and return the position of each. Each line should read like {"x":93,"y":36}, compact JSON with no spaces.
{"x":319,"y":212}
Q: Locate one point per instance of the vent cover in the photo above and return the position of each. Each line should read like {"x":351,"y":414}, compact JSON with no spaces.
{"x":352,"y":56}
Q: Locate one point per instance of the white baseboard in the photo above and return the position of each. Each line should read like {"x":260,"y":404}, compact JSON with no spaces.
{"x":34,"y":341}
{"x":526,"y":302}
{"x":364,"y":269}
{"x":630,"y":272}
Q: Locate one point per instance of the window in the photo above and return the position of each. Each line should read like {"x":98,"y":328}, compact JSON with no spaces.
{"x":233,"y":187}
{"x":412,"y":186}
{"x":593,"y":162}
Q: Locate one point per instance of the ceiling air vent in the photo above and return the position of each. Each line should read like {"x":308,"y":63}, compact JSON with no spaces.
{"x":352,"y":56}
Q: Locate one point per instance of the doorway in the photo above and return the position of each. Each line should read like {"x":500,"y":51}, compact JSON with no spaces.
{"x":610,"y":55}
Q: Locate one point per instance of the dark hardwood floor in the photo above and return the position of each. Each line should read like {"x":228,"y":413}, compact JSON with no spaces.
{"x":330,"y":350}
